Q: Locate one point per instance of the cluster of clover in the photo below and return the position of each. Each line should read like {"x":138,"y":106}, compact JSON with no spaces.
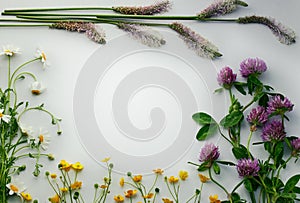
{"x":134,"y":20}
{"x":267,"y":116}
{"x":17,"y":139}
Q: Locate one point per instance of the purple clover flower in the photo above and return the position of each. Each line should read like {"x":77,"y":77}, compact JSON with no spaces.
{"x":247,"y":167}
{"x":258,"y":116}
{"x":295,"y":146}
{"x":252,"y":66}
{"x":273,"y":131}
{"x":226,"y":77}
{"x":209,"y":152}
{"x":279,"y":106}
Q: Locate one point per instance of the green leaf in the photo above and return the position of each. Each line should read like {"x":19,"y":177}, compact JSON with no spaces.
{"x":278,"y":153}
{"x":240,"y":152}
{"x":235,"y":197}
{"x":263,"y":100}
{"x":296,"y":190}
{"x":206,"y":131}
{"x":204,"y":166}
{"x":240,"y":87}
{"x":232,"y":119}
{"x":203,"y":118}
{"x":291,"y":183}
{"x":216,"y":168}
{"x":219,"y":90}
{"x":248,"y":185}
{"x":227,"y":163}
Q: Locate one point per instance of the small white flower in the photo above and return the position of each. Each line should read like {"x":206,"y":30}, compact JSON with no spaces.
{"x":4,"y":117}
{"x":42,"y":56}
{"x":10,"y":50}
{"x":37,"y":88}
{"x":15,"y":187}
{"x":43,"y":139}
{"x":27,"y":131}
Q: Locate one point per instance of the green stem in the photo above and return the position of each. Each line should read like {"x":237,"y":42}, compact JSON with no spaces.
{"x":119,"y":16}
{"x":248,"y":143}
{"x":56,"y":9}
{"x":237,"y":186}
{"x":218,"y":184}
{"x":21,"y":66}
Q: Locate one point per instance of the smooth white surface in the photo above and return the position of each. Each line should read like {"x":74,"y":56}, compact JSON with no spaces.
{"x":70,"y":52}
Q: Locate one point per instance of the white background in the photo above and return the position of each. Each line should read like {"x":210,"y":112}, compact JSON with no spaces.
{"x":68,"y":52}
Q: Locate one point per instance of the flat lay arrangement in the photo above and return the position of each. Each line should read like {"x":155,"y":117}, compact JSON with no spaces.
{"x":149,"y":101}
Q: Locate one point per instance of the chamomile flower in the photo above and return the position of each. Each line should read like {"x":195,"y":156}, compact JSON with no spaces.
{"x":43,"y":139}
{"x":37,"y":88}
{"x":10,"y":50}
{"x":4,"y":117}
{"x":15,"y":187}
{"x":43,"y":58}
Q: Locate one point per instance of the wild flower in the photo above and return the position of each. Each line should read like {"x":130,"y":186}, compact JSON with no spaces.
{"x":94,"y":33}
{"x":247,"y":167}
{"x":226,"y":77}
{"x":157,"y":8}
{"x":209,"y":152}
{"x":279,"y":106}
{"x":220,"y":7}
{"x":251,"y":66}
{"x":257,"y":116}
{"x":143,"y":34}
{"x":10,"y":50}
{"x":196,"y":42}
{"x":37,"y":88}
{"x":283,"y":33}
{"x":273,"y":131}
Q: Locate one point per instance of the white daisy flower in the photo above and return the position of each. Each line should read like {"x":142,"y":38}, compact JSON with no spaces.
{"x":15,"y":187}
{"x":37,"y":88}
{"x":10,"y":50}
{"x":27,"y":131}
{"x":42,"y":56}
{"x":43,"y":139}
{"x":4,"y":117}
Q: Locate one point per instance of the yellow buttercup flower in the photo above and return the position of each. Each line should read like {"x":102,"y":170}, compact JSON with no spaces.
{"x":105,"y":160}
{"x":137,"y":178}
{"x":77,"y":166}
{"x":130,"y":193}
{"x":53,"y":175}
{"x":64,"y":189}
{"x":122,"y":182}
{"x":76,"y":185}
{"x":119,"y":198}
{"x":26,"y":196}
{"x":158,"y":171}
{"x":103,"y":186}
{"x":203,"y":178}
{"x":148,"y":196}
{"x":54,"y":199}
{"x":64,"y":165}
{"x":173,"y":179}
{"x":166,"y":200}
{"x":183,"y":175}
{"x":214,"y":199}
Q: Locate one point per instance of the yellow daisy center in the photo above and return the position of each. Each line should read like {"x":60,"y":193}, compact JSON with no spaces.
{"x":41,"y":138}
{"x":14,"y":188}
{"x":43,"y":56}
{"x":1,"y":115}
